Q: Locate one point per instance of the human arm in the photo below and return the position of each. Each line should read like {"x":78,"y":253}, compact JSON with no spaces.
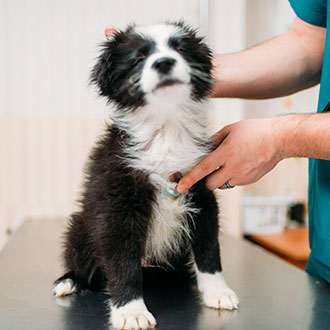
{"x":250,"y":148}
{"x":280,"y":66}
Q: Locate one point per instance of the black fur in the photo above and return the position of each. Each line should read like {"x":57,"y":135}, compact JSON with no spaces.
{"x":105,"y":240}
{"x":198,"y":55}
{"x":122,"y":57}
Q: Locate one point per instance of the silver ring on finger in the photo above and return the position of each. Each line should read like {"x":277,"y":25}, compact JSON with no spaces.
{"x":227,"y":185}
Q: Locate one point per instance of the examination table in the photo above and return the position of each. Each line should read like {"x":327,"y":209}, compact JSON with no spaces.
{"x":273,"y":294}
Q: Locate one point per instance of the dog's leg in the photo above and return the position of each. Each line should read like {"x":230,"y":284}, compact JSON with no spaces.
{"x":214,"y":289}
{"x":124,"y":282}
{"x":121,"y":243}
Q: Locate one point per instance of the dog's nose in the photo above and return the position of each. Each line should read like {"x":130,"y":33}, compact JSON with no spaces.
{"x":164,"y":64}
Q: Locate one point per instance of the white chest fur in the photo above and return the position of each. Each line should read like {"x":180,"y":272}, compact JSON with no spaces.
{"x":172,"y":150}
{"x":168,"y":227}
{"x":167,"y":142}
{"x":167,"y":138}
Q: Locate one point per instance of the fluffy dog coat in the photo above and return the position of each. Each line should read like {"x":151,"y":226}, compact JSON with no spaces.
{"x":156,"y":78}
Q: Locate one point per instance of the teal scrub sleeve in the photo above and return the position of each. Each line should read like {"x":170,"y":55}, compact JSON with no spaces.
{"x":311,"y":11}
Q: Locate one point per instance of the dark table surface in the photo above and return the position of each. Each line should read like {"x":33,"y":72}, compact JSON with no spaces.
{"x":273,"y":294}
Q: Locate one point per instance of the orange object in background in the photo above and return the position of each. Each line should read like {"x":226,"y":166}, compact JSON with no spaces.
{"x":291,"y":245}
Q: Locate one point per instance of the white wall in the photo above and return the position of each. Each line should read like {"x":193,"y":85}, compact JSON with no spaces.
{"x":51,"y":47}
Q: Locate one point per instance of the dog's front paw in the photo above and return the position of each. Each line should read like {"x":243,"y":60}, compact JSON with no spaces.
{"x":133,"y":316}
{"x":215,"y":291}
{"x":221,"y":298}
{"x":64,"y":287}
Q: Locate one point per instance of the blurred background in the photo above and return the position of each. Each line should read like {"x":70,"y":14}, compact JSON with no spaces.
{"x":50,"y":118}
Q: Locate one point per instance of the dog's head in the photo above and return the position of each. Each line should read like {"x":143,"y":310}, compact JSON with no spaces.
{"x":145,"y":64}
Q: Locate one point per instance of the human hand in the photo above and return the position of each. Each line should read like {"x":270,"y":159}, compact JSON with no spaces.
{"x":245,"y":152}
{"x":110,"y":31}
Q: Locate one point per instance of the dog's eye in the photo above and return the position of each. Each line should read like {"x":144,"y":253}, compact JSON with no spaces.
{"x":139,"y":59}
{"x":179,"y":49}
{"x":177,"y":45}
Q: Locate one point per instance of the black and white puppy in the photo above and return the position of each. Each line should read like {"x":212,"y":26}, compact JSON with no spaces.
{"x":157,"y":79}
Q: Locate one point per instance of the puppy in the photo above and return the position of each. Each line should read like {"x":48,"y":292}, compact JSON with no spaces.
{"x":156,"y":78}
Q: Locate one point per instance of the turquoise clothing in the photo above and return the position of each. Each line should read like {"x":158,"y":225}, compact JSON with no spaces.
{"x":317,"y":12}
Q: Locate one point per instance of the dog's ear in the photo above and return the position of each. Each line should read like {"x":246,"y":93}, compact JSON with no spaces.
{"x":102,"y":73}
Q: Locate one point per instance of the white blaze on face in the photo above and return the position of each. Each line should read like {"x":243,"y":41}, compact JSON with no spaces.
{"x":160,"y":34}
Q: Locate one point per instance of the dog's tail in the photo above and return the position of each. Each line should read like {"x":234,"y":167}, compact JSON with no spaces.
{"x":66,"y":285}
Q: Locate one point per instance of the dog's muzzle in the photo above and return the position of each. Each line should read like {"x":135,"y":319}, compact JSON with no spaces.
{"x":164,"y":65}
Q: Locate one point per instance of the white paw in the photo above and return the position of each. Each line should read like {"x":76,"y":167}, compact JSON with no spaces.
{"x":64,"y":288}
{"x":133,"y":316}
{"x":215,"y":291}
{"x":221,"y":299}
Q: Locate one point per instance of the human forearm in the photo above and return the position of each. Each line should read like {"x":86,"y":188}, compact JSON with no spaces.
{"x":250,"y":148}
{"x":281,"y":66}
{"x":303,"y":135}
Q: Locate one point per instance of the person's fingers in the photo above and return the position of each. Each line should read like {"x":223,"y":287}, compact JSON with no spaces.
{"x":207,"y":165}
{"x":199,"y":171}
{"x":218,"y":179}
{"x":110,"y":31}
